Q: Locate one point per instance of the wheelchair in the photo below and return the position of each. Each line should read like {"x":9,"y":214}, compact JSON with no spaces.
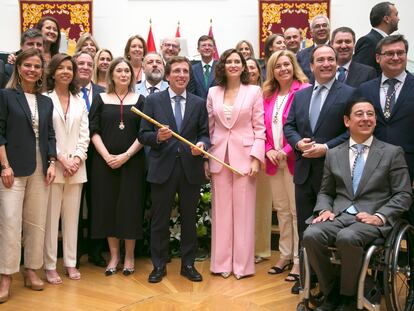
{"x":387,"y":271}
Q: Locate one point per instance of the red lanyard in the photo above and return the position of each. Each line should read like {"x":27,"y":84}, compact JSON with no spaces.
{"x":121,"y":110}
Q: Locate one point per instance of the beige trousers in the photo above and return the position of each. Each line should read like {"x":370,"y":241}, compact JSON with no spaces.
{"x":64,"y":203}
{"x":23,"y":208}
{"x":283,"y":191}
{"x":263,"y":223}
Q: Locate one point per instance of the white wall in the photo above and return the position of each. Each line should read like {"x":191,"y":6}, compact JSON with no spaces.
{"x":115,"y":20}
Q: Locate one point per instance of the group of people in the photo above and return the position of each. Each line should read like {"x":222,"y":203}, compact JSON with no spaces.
{"x":71,"y":123}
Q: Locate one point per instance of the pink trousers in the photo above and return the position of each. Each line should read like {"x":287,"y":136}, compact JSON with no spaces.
{"x":233,"y":223}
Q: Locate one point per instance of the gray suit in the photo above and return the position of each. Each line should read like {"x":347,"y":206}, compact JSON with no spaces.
{"x":384,"y":188}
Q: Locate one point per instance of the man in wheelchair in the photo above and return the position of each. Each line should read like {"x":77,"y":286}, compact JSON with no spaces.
{"x":365,"y":189}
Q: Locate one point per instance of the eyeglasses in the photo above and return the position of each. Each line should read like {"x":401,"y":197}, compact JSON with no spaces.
{"x":321,"y":26}
{"x":171,"y":45}
{"x":390,"y":54}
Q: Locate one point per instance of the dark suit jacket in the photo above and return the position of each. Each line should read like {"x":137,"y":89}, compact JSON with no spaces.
{"x":3,"y":77}
{"x":384,"y":188}
{"x":196,"y":84}
{"x":17,"y":134}
{"x":359,"y":73}
{"x":194,"y":128}
{"x":365,"y":50}
{"x":329,"y":129}
{"x":303,"y":58}
{"x":399,"y":128}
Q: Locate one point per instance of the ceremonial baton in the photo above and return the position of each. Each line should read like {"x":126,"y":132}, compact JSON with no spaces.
{"x":208,"y":155}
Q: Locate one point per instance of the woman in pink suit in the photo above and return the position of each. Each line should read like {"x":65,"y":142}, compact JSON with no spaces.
{"x":235,"y":111}
{"x":284,"y":77}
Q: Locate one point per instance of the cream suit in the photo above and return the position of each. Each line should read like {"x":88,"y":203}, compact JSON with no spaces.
{"x":235,"y":141}
{"x":72,"y":140}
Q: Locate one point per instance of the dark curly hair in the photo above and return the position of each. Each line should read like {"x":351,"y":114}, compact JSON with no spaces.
{"x":220,"y":71}
{"x":51,"y":70}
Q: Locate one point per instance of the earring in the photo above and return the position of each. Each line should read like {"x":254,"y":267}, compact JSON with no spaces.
{"x":39,"y":82}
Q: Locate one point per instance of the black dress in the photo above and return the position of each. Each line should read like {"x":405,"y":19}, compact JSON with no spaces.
{"x":117,"y":194}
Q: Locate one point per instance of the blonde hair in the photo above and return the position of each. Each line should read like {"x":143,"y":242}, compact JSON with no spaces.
{"x":239,"y":44}
{"x":271,"y":84}
{"x":82,"y":39}
{"x":96,"y":63}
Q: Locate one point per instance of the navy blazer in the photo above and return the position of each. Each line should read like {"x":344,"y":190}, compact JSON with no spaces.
{"x":3,"y":77}
{"x":359,"y":73}
{"x":17,"y":134}
{"x":303,"y":58}
{"x":194,"y":128}
{"x":196,"y":84}
{"x":398,"y":129}
{"x":365,"y":50}
{"x":330,"y":128}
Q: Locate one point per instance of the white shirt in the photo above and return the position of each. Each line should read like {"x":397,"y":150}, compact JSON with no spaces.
{"x":353,"y":153}
{"x":148,"y":86}
{"x":382,"y":33}
{"x":277,"y":127}
{"x":182,"y":101}
{"x":384,"y":87}
{"x":324,"y":92}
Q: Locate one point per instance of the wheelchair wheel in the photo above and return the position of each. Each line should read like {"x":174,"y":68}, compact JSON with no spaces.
{"x":399,"y":272}
{"x":316,"y":297}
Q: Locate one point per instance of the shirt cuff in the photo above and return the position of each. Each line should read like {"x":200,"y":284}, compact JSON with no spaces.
{"x":382,"y":217}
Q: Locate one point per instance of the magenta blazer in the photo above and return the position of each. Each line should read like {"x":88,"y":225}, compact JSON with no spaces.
{"x":269,"y":104}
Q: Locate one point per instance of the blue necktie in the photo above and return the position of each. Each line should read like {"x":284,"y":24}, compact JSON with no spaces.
{"x":177,"y":111}
{"x":342,"y":75}
{"x":86,"y":98}
{"x":357,"y":170}
{"x":315,"y":106}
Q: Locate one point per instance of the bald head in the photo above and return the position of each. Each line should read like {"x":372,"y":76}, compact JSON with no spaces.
{"x":293,"y":38}
{"x":170,"y":47}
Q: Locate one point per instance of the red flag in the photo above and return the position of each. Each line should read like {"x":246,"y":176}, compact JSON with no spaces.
{"x":150,"y":41}
{"x":210,"y":33}
{"x":177,"y":33}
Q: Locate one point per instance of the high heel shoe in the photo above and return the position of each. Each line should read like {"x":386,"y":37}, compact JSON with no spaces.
{"x":128,"y":271}
{"x":238,"y":276}
{"x":5,"y":294}
{"x":225,"y":274}
{"x":35,"y":284}
{"x":52,"y":277}
{"x":72,"y":273}
{"x":277,"y":270}
{"x":110,"y":271}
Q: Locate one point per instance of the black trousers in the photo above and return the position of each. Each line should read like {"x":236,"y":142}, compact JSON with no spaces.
{"x":162,"y":196}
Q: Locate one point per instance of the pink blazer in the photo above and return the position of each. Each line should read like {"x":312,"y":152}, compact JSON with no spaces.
{"x":269,"y":104}
{"x":244,"y":135}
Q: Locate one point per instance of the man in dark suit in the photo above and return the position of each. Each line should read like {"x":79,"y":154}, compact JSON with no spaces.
{"x":320,"y":29}
{"x":31,"y":38}
{"x":384,"y":21}
{"x":174,"y":167}
{"x":89,"y":90}
{"x":364,"y":191}
{"x":202,"y":73}
{"x":313,"y":126}
{"x":349,"y":71}
{"x":393,"y":98}
{"x":3,"y":78}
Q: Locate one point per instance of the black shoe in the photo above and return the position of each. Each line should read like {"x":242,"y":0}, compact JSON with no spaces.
{"x":110,"y":271}
{"x":97,"y":260}
{"x":191,"y":273}
{"x":347,"y":303}
{"x":157,"y":274}
{"x":296,"y":288}
{"x":331,"y":302}
{"x":128,"y":271}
